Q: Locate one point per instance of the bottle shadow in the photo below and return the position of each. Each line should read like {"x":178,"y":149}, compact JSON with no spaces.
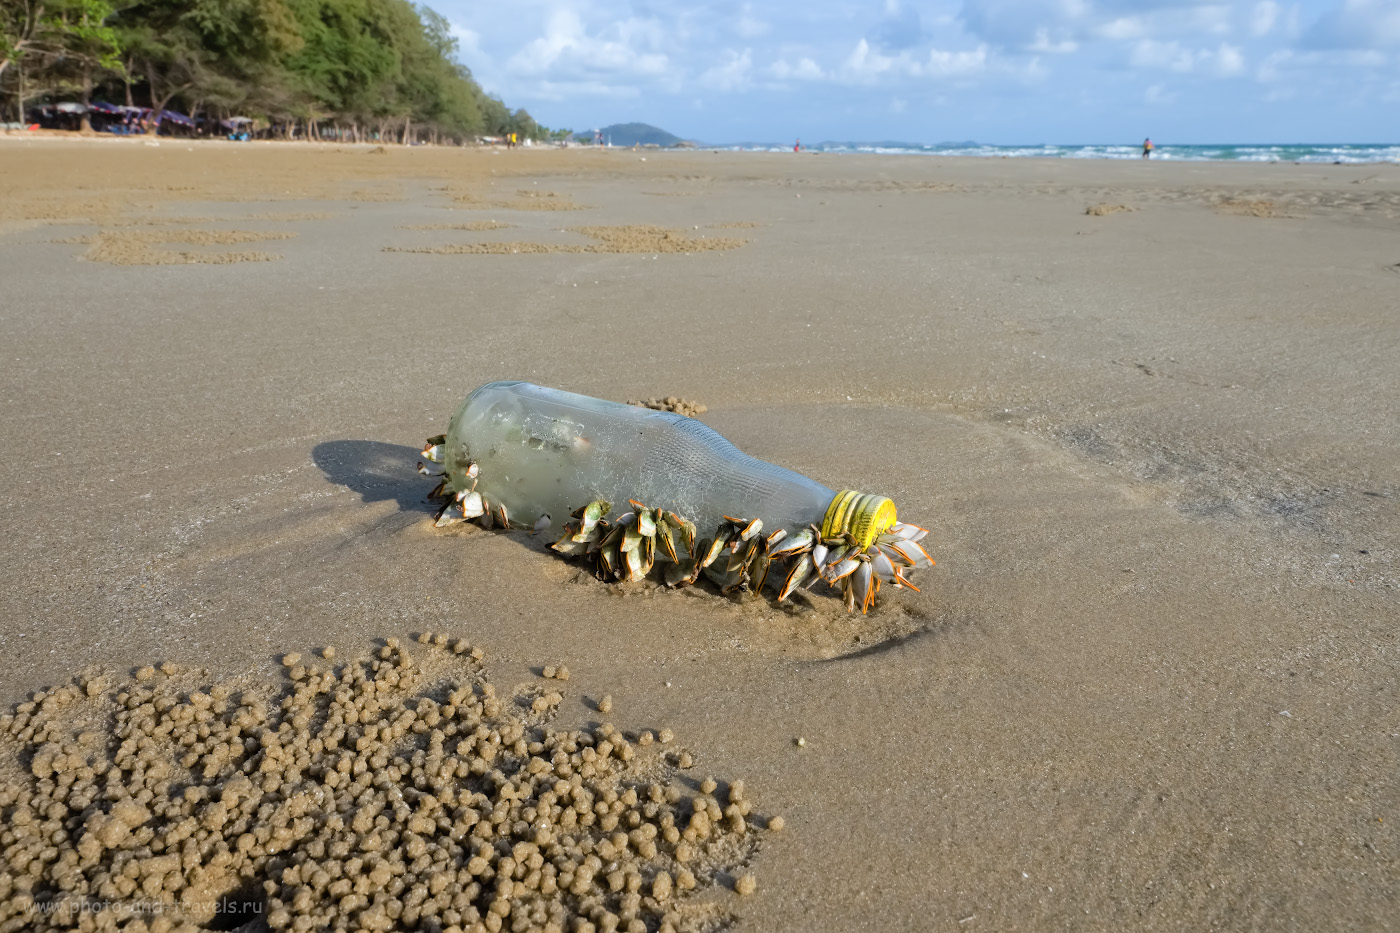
{"x":379,"y":472}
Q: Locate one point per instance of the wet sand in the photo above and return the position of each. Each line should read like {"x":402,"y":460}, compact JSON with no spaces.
{"x":1152,"y":682}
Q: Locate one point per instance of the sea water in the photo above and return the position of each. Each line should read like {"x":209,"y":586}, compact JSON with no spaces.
{"x":1344,"y":153}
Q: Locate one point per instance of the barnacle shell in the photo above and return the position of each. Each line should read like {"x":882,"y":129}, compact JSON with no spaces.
{"x":626,"y":549}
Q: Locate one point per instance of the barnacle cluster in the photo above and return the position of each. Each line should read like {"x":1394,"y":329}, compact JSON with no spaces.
{"x":380,"y":793}
{"x":739,"y":558}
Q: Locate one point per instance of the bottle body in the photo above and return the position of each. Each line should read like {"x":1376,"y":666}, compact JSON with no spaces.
{"x":541,"y":451}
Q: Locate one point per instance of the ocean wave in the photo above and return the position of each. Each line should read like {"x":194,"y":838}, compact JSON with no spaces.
{"x":1330,"y":153}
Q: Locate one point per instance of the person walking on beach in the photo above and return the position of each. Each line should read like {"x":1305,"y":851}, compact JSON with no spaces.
{"x":797,"y":146}
{"x":1147,"y":148}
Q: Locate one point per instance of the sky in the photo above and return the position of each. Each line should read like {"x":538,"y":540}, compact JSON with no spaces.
{"x":996,"y":71}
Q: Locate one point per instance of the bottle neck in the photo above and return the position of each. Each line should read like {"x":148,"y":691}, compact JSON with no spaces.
{"x":862,"y":515}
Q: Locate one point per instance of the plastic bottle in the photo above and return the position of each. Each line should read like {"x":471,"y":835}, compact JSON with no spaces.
{"x":522,"y":454}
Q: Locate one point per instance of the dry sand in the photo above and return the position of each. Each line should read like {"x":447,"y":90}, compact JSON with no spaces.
{"x":1152,"y":682}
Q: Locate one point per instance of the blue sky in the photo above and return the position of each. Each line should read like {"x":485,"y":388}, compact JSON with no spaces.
{"x":997,"y":71}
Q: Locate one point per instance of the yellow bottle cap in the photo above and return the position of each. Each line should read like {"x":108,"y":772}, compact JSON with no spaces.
{"x":862,"y":514}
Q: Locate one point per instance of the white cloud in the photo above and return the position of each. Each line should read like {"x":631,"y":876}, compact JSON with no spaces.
{"x":942,"y":64}
{"x":1163,"y":56}
{"x":1156,"y":94}
{"x":1290,"y":64}
{"x":1023,"y":23}
{"x":468,"y":41}
{"x":804,"y":70}
{"x":865,"y":65}
{"x":1273,"y":66}
{"x":1044,"y":43}
{"x":1265,"y":15}
{"x":1229,"y":61}
{"x":1357,"y":24}
{"x":471,"y":52}
{"x":1032,"y":72}
{"x":900,"y":27}
{"x":749,"y":27}
{"x":562,"y":91}
{"x":624,"y":48}
{"x":1224,"y":61}
{"x":1124,"y":27}
{"x":1211,"y":18}
{"x":1062,"y":26}
{"x":730,"y":75}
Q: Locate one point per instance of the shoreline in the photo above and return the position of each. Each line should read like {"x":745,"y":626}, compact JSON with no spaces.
{"x":861,"y":150}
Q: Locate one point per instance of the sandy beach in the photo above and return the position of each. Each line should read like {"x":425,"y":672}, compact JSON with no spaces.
{"x":1146,"y":409}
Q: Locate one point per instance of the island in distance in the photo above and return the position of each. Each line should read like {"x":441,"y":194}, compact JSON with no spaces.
{"x":632,"y":134}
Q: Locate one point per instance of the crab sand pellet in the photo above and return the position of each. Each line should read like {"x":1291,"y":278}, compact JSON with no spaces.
{"x":680,"y":406}
{"x":384,"y":793}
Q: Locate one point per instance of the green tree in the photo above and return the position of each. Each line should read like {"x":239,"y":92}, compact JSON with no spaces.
{"x":439,"y":90}
{"x":226,"y":52}
{"x":23,"y":25}
{"x":358,"y":63}
{"x":523,"y":124}
{"x":64,"y":45}
{"x":86,"y":46}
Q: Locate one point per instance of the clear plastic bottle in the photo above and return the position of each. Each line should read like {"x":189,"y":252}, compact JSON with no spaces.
{"x":541,"y":451}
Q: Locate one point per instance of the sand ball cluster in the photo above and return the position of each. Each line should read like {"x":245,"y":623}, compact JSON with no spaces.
{"x":680,"y":406}
{"x":380,"y":793}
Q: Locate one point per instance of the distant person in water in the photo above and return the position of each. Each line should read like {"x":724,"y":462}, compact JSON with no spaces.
{"x":1147,"y":148}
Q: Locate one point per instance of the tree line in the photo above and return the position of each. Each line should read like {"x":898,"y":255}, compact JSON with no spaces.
{"x":349,"y":69}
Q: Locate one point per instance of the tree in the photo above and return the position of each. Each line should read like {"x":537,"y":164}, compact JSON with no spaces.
{"x":85,"y":46}
{"x":389,"y":63}
{"x":21,"y":21}
{"x":219,"y":50}
{"x":523,"y":124}
{"x":440,"y":90}
{"x":22,"y":24}
{"x":68,"y":42}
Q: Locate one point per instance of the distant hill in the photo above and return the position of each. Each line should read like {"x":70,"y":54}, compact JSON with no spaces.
{"x":635,"y":134}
